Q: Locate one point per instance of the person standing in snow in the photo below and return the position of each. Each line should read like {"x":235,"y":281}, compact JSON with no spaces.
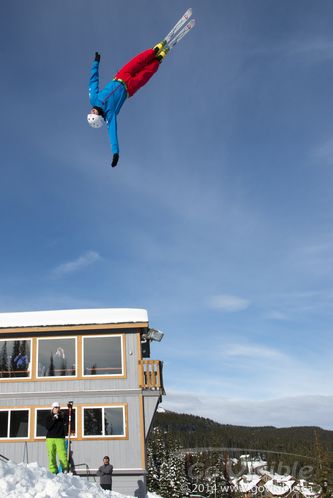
{"x":55,"y":439}
{"x":107,"y":103}
{"x":105,"y":473}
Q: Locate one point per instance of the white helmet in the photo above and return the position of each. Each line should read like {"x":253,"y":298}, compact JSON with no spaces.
{"x":95,"y":120}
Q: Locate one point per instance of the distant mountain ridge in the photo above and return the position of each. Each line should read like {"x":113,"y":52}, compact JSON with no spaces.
{"x":194,"y":431}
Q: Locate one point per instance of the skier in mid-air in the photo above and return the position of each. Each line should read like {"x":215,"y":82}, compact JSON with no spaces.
{"x":107,"y":103}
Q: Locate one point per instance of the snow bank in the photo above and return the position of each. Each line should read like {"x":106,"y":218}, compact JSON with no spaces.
{"x":29,"y":480}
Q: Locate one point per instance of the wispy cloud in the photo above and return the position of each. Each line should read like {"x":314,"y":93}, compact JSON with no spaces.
{"x":324,"y":152}
{"x":86,"y":259}
{"x":229,"y":303}
{"x":314,"y":50}
{"x":281,"y":412}
{"x":276,"y":315}
{"x":253,"y":351}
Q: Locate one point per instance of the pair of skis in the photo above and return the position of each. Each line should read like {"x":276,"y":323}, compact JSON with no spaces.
{"x":70,"y":411}
{"x":178,"y":31}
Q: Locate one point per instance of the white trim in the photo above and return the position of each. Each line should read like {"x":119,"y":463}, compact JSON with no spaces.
{"x":121,"y":354}
{"x":102,"y":407}
{"x":41,"y":438}
{"x":9,"y":410}
{"x":47,"y":377}
{"x":30,"y":359}
{"x":73,"y":317}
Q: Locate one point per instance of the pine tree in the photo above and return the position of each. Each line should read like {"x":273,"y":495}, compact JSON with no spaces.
{"x":4,"y":360}
{"x":153,"y":472}
{"x":322,"y":471}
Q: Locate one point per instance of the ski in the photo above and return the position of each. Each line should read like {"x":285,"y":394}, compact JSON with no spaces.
{"x":181,"y":34}
{"x":70,"y":409}
{"x":178,"y":25}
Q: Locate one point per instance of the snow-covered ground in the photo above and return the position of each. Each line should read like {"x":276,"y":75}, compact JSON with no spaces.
{"x":29,"y":480}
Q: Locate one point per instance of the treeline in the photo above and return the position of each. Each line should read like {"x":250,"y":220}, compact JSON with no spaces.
{"x":194,"y":431}
{"x":185,"y":444}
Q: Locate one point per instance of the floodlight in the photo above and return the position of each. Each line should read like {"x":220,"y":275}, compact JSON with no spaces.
{"x":155,"y":335}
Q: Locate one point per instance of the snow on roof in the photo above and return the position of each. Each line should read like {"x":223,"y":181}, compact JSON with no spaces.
{"x":279,"y":487}
{"x":248,"y":482}
{"x":306,"y":489}
{"x":73,"y":317}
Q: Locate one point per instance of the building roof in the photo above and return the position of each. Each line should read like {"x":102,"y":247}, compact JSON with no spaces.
{"x":73,"y":317}
{"x":279,"y":486}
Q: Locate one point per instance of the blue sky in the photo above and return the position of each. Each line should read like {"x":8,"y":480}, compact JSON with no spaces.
{"x":218,"y":219}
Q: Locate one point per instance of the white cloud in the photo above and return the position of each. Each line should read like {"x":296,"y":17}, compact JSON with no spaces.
{"x":314,"y":50}
{"x":226,"y":302}
{"x":253,"y":351}
{"x":310,"y":410}
{"x":86,"y":259}
{"x":277,"y":315}
{"x":324,"y":152}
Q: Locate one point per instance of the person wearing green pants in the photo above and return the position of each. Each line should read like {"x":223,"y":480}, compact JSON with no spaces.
{"x":55,"y":439}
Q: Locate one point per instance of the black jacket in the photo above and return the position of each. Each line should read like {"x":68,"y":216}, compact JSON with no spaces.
{"x":55,"y":426}
{"x":105,"y":471}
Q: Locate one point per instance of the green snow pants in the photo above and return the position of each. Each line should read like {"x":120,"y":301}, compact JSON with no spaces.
{"x":56,"y":446}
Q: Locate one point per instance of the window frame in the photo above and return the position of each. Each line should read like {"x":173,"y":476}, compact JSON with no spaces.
{"x":102,"y":407}
{"x":19,"y":438}
{"x":31,"y":362}
{"x":42,"y":438}
{"x":122,"y":354}
{"x":57,"y":377}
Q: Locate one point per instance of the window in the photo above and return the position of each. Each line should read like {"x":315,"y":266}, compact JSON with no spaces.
{"x":102,"y":355}
{"x":57,"y":357}
{"x":15,"y":358}
{"x":104,"y":421}
{"x":14,"y":424}
{"x":41,"y":415}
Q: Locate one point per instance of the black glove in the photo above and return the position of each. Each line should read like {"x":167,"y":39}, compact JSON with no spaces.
{"x":97,"y":56}
{"x":115,"y":160}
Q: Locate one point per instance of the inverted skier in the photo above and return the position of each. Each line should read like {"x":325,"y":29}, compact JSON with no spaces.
{"x":107,"y":103}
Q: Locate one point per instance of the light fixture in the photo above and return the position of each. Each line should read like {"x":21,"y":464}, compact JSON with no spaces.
{"x":155,"y":335}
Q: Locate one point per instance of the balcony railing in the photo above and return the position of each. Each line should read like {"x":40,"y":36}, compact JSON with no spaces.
{"x":150,"y":374}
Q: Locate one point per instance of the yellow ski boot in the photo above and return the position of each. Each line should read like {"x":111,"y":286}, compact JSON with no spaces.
{"x":162,"y":53}
{"x":159,"y":47}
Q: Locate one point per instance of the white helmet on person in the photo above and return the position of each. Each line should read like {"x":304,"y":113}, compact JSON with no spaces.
{"x":95,"y":120}
{"x":55,"y":404}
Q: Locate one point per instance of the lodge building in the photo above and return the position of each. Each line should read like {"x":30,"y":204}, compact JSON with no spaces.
{"x":97,"y":358}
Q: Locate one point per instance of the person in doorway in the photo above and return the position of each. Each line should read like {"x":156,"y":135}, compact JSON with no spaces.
{"x":55,"y":439}
{"x":105,"y":473}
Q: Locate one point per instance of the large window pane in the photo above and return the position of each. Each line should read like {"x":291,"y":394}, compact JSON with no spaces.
{"x":93,"y":422}
{"x":56,"y":357}
{"x":19,"y":423}
{"x":3,"y":423}
{"x":15,"y":358}
{"x":41,"y":421}
{"x":114,"y":421}
{"x":102,"y":355}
